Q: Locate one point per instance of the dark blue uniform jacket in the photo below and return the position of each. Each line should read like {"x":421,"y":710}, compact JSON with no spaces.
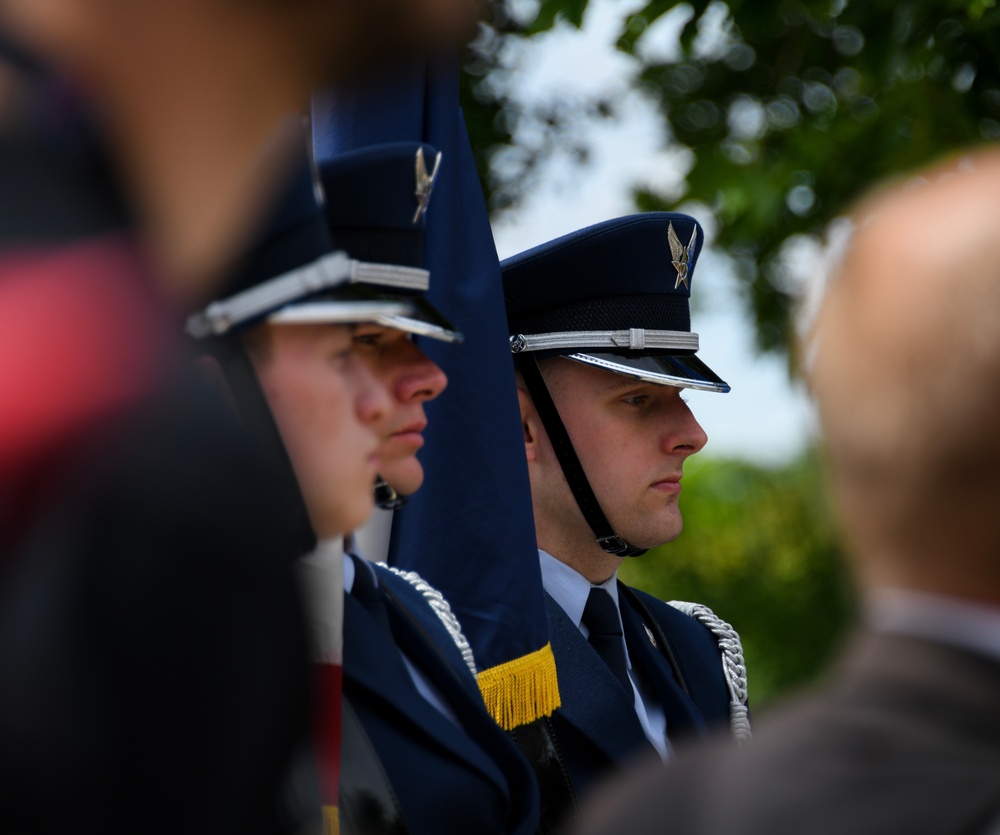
{"x":447,"y":779}
{"x":596,"y":727}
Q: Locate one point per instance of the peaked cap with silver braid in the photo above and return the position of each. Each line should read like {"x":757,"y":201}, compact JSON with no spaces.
{"x":295,"y":275}
{"x":377,"y":199}
{"x":615,"y":296}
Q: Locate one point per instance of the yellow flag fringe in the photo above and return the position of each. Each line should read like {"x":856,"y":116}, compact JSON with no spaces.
{"x":331,"y":820}
{"x":520,"y":691}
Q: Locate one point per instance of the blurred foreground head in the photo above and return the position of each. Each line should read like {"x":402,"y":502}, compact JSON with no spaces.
{"x":327,"y":39}
{"x":905,"y":367}
{"x":192,"y":94}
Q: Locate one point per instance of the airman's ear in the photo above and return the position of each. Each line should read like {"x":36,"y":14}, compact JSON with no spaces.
{"x":208,"y":368}
{"x":530,"y":424}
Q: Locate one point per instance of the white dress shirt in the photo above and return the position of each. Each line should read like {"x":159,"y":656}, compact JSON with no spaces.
{"x":321,"y":585}
{"x":425,"y":687}
{"x":570,"y":590}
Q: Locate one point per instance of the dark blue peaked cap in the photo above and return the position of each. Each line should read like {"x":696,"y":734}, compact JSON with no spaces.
{"x":615,"y":295}
{"x":296,"y":274}
{"x":293,"y":272}
{"x":377,"y":199}
{"x":372,"y":206}
{"x":295,"y":235}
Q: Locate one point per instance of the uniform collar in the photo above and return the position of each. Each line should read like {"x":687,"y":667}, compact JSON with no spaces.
{"x":348,"y":573}
{"x":350,"y":549}
{"x":322,"y":573}
{"x":569,"y":588}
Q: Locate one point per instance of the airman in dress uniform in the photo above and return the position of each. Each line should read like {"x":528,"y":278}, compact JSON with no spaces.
{"x":601,"y":337}
{"x":153,"y":670}
{"x":420,"y":753}
{"x":377,"y":199}
{"x":904,"y":362}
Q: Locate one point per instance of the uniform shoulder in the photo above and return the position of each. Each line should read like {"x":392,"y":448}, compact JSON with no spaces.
{"x":696,"y":622}
{"x":427,"y":604}
{"x":674,"y":615}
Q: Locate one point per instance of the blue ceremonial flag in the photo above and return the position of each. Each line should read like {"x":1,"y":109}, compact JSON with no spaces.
{"x":469,"y":530}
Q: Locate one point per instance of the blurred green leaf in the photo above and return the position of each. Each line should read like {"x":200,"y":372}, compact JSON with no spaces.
{"x":552,"y":11}
{"x":759,"y":548}
{"x":851,"y":92}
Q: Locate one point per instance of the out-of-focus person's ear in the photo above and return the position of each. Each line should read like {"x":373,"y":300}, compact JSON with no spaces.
{"x":53,"y":26}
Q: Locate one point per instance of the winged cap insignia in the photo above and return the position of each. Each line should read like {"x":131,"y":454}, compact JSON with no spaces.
{"x":425,"y":183}
{"x":681,"y":254}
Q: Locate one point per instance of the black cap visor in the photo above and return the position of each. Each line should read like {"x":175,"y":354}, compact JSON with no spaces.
{"x":344,"y":305}
{"x":363,"y":303}
{"x":423,"y":319}
{"x":681,"y":370}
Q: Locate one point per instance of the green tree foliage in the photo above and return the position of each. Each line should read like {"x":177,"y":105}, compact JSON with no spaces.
{"x":759,"y":548}
{"x":792,"y":113}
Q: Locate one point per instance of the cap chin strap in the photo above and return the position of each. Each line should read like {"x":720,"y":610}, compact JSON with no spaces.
{"x":255,"y":414}
{"x":386,"y":496}
{"x":570,"y":463}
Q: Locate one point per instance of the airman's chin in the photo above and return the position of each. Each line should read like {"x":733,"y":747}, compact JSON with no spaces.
{"x":405,"y":477}
{"x":654,"y":539}
{"x":358,"y":513}
{"x":344,"y":515}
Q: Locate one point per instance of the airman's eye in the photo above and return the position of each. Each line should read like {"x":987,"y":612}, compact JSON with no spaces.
{"x":372,"y":340}
{"x":636,"y":400}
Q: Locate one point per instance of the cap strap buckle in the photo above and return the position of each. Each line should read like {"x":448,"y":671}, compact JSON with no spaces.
{"x":614,"y":544}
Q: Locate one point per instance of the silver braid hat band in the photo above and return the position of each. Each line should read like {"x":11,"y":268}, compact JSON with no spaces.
{"x":327,"y":273}
{"x":632,"y":339}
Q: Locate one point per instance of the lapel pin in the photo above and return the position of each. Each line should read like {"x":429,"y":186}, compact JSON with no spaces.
{"x":649,"y":634}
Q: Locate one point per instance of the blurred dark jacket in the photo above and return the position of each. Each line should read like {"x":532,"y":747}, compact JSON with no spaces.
{"x":906,"y":738}
{"x":153,"y":667}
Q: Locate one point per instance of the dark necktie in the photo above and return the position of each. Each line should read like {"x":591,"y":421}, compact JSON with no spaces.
{"x":365,"y":591}
{"x":600,"y":616}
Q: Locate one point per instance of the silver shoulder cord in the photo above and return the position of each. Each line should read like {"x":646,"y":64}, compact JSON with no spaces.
{"x":733,"y":666}
{"x":442,"y":609}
